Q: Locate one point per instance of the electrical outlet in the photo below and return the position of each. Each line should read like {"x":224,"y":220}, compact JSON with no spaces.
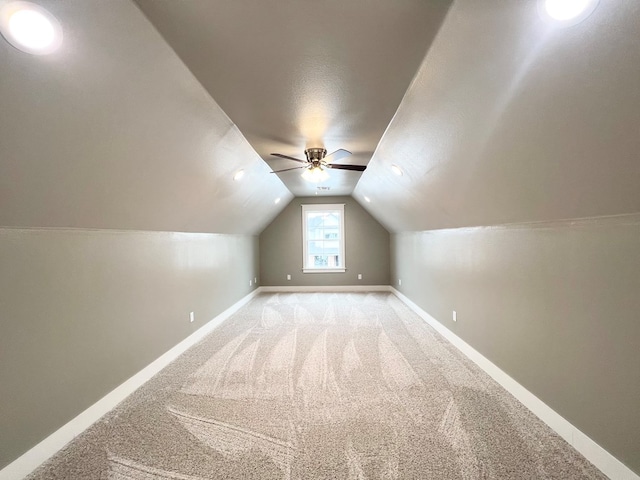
{"x":250,"y":283}
{"x":192,"y":317}
{"x":399,"y":282}
{"x":359,"y":276}
{"x":455,"y":316}
{"x":255,"y":280}
{"x":288,"y":277}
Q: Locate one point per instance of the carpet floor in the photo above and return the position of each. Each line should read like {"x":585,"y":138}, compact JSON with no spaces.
{"x":312,"y":386}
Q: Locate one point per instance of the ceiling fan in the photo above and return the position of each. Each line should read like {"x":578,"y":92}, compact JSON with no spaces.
{"x":317,"y":161}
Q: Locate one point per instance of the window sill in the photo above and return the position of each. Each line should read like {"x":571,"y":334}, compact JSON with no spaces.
{"x":324,"y":270}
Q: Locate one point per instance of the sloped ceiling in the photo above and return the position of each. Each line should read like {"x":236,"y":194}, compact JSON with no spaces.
{"x":303,"y":73}
{"x":113,"y":131}
{"x":510,"y":119}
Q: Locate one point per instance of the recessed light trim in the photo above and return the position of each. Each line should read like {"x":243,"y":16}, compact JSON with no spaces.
{"x":277,"y":200}
{"x":397,"y":170}
{"x":30,"y":28}
{"x":367,"y":199}
{"x":238,"y":175}
{"x":565,"y":13}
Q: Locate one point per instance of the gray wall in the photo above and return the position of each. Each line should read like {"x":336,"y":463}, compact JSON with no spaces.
{"x":555,"y":305}
{"x":511,"y":120}
{"x":84,"y":310}
{"x":112,"y":131}
{"x":367,"y":248}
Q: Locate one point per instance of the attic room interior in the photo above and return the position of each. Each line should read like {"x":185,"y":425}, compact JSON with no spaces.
{"x":319,"y":239}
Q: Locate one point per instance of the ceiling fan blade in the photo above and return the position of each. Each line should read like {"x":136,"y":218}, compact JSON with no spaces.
{"x":337,"y":155}
{"x":288,"y":157}
{"x":355,"y":168}
{"x":287,"y":169}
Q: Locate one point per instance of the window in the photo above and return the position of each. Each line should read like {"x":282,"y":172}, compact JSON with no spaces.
{"x":323,"y":238}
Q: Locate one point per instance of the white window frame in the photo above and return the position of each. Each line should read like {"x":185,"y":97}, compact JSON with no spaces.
{"x":327,"y":207}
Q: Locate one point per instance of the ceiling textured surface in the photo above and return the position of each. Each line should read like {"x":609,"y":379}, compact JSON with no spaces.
{"x":299,"y":74}
{"x":113,"y":131}
{"x":142,"y":117}
{"x":511,"y":119}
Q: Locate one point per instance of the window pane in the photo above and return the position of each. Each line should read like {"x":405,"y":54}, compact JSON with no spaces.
{"x":323,"y":237}
{"x":332,"y":247}
{"x":323,"y":253}
{"x":315,"y":248}
{"x":315,"y":225}
{"x":320,"y":261}
{"x":323,"y":261}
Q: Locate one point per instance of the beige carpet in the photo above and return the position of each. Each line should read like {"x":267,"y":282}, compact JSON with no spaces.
{"x":320,"y":386}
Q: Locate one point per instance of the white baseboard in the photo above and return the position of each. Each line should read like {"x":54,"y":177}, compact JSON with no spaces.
{"x":598,"y":456}
{"x":32,"y":459}
{"x":328,"y":288}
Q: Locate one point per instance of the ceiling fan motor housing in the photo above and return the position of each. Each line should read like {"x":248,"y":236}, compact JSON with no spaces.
{"x":315,"y":155}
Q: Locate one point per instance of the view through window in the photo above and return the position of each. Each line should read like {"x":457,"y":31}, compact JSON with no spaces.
{"x":323,"y":238}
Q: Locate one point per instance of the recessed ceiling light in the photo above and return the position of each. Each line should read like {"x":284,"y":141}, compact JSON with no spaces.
{"x":30,"y":28}
{"x":566,"y":12}
{"x":367,"y":199}
{"x":277,"y":200}
{"x":397,"y":170}
{"x":239,"y":174}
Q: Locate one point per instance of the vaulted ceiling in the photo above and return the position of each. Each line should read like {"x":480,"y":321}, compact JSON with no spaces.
{"x":112,"y":131}
{"x":301,"y":74}
{"x":514,"y":119}
{"x":144,"y":115}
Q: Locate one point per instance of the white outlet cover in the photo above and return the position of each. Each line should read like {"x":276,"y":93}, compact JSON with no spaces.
{"x":359,"y":276}
{"x":192,"y":316}
{"x":288,"y":277}
{"x":399,"y":282}
{"x":455,"y":316}
{"x":250,"y":282}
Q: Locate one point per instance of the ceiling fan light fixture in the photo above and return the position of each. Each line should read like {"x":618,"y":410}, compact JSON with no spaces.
{"x":315,"y":175}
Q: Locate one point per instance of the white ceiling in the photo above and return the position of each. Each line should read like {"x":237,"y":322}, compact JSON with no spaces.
{"x":304,"y":73}
{"x":511,"y":119}
{"x":143,"y":116}
{"x":113,"y":131}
